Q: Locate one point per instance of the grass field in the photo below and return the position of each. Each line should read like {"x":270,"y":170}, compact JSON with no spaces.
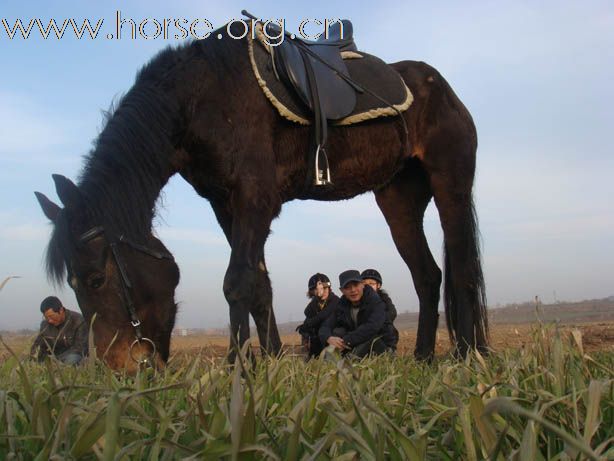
{"x":552,"y":398}
{"x":596,"y":336}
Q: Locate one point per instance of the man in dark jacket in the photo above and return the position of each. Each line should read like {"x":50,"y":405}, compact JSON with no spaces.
{"x":359,"y":326}
{"x":373,"y":278}
{"x":323,"y":303}
{"x":63,"y":334}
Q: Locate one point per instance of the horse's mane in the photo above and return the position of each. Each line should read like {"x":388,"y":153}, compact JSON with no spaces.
{"x":129,"y":162}
{"x":127,"y":166}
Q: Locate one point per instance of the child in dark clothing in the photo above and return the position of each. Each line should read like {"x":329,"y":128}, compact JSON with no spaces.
{"x":373,"y":278}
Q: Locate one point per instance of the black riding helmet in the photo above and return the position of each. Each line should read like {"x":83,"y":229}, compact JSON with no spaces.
{"x":371,"y":274}
{"x":315,"y":278}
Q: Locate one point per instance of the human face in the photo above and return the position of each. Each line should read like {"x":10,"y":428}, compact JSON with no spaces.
{"x":353,"y":291}
{"x":321,"y":291}
{"x":372,"y":283}
{"x":55,"y":318}
{"x":323,"y":296}
{"x":325,"y":293}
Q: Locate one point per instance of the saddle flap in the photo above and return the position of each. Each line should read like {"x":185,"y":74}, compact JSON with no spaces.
{"x":336,"y":97}
{"x":291,"y":68}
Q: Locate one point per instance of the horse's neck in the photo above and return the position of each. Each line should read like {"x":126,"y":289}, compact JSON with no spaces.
{"x":131,"y":163}
{"x":126,"y":204}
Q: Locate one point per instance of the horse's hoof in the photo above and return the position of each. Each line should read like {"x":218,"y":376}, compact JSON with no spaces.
{"x":425,"y":357}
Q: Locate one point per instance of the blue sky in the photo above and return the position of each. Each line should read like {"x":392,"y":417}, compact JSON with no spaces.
{"x":536,"y":76}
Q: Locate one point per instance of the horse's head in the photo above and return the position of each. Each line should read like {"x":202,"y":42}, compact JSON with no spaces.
{"x":127,"y":282}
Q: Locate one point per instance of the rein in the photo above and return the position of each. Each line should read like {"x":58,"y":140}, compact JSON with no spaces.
{"x":126,"y":284}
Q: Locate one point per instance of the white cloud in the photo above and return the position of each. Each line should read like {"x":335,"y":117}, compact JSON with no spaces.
{"x":24,"y":232}
{"x":362,"y":207}
{"x":27,"y":128}
{"x":15,"y":227}
{"x":192,"y":235}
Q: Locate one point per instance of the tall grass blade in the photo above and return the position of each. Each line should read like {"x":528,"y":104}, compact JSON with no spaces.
{"x":593,"y":417}
{"x":506,"y":406}
{"x":111,"y":434}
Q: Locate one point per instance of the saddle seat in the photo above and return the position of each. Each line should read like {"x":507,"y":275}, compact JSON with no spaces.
{"x":312,"y":69}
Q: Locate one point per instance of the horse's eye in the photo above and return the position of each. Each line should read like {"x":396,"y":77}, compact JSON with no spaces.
{"x":95,"y":281}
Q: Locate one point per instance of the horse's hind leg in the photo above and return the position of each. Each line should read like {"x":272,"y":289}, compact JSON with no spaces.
{"x":403,"y":203}
{"x":444,"y":138}
{"x":451,"y":177}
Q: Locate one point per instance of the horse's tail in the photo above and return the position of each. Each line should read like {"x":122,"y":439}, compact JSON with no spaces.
{"x":474,"y":278}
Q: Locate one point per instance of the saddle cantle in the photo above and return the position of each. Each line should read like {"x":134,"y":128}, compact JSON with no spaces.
{"x":325,"y":81}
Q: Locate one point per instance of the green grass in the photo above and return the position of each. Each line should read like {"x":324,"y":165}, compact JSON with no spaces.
{"x":547,"y":401}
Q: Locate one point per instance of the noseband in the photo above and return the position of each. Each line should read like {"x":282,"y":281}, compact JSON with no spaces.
{"x":126,"y":284}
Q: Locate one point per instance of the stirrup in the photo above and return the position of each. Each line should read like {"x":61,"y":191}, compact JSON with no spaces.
{"x":322,"y":177}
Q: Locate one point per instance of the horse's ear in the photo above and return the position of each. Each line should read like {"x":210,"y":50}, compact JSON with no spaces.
{"x":50,"y":209}
{"x":67,"y":191}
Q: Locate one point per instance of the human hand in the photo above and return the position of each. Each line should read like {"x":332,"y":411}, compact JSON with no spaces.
{"x":336,"y":342}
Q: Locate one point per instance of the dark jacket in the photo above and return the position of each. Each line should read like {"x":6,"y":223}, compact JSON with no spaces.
{"x":314,"y":315}
{"x":391,"y":311}
{"x":70,"y":336}
{"x":372,"y":321}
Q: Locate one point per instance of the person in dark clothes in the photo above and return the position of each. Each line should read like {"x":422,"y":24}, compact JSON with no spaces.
{"x":359,"y":326}
{"x":373,"y":278}
{"x":323,"y":303}
{"x":63,"y":334}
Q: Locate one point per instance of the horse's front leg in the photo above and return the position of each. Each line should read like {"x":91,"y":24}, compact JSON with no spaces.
{"x":247,"y":286}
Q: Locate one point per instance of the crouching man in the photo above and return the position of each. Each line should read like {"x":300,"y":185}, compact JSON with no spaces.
{"x":359,"y":326}
{"x":63,"y":334}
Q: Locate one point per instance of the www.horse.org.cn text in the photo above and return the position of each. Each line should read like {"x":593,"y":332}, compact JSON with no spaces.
{"x":125,"y":28}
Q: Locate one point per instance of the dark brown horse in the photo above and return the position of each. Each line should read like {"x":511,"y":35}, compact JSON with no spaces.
{"x":198,"y":111}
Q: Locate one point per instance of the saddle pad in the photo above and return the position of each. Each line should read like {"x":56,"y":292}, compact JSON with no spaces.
{"x":367,"y":70}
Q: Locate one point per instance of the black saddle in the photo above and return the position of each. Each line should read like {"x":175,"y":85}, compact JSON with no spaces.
{"x":316,"y":72}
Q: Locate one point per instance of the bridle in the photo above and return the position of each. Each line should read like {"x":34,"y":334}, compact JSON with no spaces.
{"x":126,"y":284}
